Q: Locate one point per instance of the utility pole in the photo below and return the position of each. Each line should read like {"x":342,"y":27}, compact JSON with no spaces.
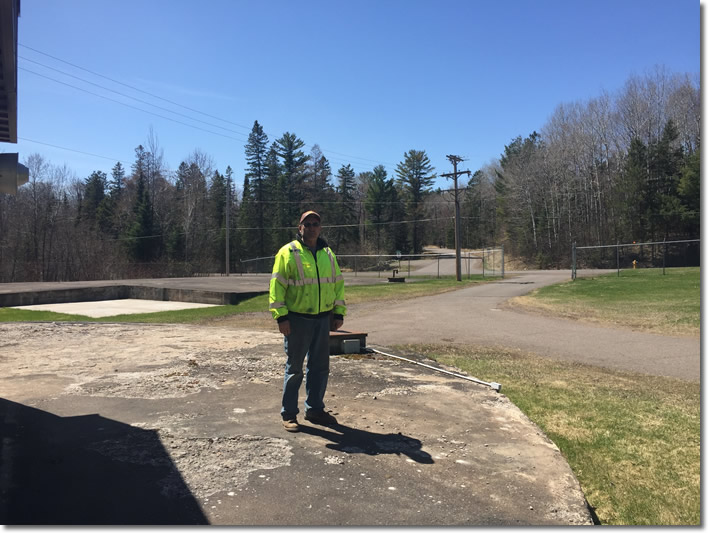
{"x":228,"y":208}
{"x":454,"y":160}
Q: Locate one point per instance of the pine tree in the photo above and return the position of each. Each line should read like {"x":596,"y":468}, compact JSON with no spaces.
{"x":233,"y":212}
{"x":415,"y":180}
{"x":110,"y":213}
{"x":274,"y":207}
{"x":94,"y":193}
{"x":317,"y":190}
{"x":398,"y":232}
{"x":254,"y":243}
{"x":666,"y":160}
{"x":689,"y":190}
{"x":346,"y":214}
{"x":116,"y":185}
{"x":290,"y":198}
{"x":517,"y":207}
{"x":631,"y":200}
{"x":140,"y":239}
{"x":345,"y":180}
{"x":140,"y":166}
{"x":217,"y":217}
{"x":471,"y":213}
{"x":378,"y":204}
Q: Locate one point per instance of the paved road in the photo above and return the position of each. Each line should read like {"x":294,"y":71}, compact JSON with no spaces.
{"x":476,"y":316}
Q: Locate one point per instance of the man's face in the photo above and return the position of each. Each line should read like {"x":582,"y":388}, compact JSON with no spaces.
{"x":310,"y":228}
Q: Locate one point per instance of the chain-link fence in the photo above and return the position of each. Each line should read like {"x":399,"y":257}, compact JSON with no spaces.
{"x":488,"y":262}
{"x":659,"y":254}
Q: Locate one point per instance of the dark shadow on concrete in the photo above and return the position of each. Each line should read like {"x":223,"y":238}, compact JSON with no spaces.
{"x":352,"y":440}
{"x":87,"y":470}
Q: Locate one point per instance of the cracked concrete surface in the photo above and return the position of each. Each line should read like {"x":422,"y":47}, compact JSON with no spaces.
{"x":155,"y":424}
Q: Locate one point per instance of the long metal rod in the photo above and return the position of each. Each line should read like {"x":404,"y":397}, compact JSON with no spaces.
{"x":493,"y":384}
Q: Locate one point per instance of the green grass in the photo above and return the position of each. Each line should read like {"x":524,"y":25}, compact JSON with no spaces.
{"x":632,"y":440}
{"x":402,"y":291}
{"x":257,"y":303}
{"x":354,"y":294}
{"x":642,"y":299}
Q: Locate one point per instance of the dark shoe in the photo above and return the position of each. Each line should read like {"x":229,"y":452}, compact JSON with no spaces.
{"x":290,"y":424}
{"x":321,"y":418}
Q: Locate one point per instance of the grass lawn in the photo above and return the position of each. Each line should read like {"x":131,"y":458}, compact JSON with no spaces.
{"x":632,"y":440}
{"x":642,"y":299}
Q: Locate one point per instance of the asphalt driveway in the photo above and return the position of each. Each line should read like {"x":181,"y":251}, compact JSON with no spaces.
{"x":478,"y":316}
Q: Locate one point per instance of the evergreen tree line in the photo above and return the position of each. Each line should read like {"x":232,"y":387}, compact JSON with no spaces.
{"x":613,"y":169}
{"x":149,"y":222}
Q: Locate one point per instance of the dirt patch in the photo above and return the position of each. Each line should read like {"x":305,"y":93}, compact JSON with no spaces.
{"x":200,"y":467}
{"x":155,"y":361}
{"x":258,"y":321}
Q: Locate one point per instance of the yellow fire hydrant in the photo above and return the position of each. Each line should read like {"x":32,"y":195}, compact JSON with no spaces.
{"x":634,"y":264}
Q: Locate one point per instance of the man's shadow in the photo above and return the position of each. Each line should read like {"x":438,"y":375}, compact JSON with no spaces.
{"x":351,"y":440}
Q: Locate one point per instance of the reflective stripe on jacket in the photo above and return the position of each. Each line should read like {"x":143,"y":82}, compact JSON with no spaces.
{"x":304,"y":285}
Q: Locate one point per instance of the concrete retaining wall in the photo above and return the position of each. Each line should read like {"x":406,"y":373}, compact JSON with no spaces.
{"x":121,"y":292}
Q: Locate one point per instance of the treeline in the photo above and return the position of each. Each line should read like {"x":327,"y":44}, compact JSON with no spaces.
{"x":148,"y":221}
{"x":613,"y":169}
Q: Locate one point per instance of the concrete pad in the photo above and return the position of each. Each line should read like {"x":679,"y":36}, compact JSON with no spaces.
{"x":104,"y":308}
{"x":117,"y":424}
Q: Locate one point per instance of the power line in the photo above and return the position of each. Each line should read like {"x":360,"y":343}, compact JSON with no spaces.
{"x":169,"y":101}
{"x":134,"y":88}
{"x":72,"y":150}
{"x":137,"y":108}
{"x":237,"y":228}
{"x":126,"y":95}
{"x":128,"y":105}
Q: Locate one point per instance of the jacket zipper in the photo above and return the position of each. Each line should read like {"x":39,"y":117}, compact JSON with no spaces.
{"x":319,"y":289}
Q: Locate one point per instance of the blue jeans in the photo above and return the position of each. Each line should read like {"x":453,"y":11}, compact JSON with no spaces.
{"x":308,"y":336}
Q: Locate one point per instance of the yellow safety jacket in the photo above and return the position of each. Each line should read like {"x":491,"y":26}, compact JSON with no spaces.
{"x":304,"y":284}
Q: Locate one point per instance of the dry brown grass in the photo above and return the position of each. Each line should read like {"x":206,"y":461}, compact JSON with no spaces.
{"x":632,"y":440}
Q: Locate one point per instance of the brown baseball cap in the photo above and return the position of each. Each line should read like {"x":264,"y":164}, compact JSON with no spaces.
{"x":307,"y":214}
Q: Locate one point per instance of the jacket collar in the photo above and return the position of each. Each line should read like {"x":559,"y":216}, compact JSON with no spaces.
{"x":321,"y":243}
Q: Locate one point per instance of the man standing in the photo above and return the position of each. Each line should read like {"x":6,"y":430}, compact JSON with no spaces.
{"x":307,"y":298}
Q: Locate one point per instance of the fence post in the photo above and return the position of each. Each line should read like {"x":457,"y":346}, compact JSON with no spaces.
{"x":572,"y":261}
{"x":618,"y":259}
{"x":663,"y":268}
{"x":502,"y":260}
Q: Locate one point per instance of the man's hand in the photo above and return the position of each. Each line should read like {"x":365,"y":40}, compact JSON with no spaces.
{"x":284,"y":327}
{"x":337,"y":323}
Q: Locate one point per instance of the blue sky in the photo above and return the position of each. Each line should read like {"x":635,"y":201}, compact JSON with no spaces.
{"x":365,"y":80}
